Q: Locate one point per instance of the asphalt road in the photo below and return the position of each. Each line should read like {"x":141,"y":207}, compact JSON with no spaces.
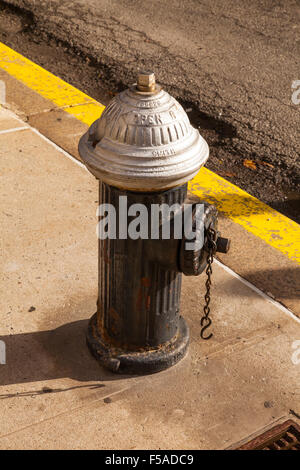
{"x":231,"y":62}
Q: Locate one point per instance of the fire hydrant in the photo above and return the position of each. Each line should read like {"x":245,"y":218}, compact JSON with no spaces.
{"x":144,"y":150}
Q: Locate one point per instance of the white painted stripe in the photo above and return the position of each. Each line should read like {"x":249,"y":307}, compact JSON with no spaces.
{"x":7,"y":131}
{"x":258,"y":291}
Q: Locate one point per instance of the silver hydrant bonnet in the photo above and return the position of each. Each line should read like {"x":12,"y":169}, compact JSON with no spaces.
{"x":143,"y":142}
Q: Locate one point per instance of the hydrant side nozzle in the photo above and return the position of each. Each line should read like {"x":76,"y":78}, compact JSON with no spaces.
{"x":192,"y":262}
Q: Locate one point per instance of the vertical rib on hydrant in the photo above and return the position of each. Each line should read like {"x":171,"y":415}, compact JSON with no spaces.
{"x":144,"y":151}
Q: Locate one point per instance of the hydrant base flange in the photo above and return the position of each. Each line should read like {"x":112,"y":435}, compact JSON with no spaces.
{"x":141,"y":361}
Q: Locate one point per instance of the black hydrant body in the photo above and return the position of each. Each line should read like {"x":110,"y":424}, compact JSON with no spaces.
{"x":143,"y":150}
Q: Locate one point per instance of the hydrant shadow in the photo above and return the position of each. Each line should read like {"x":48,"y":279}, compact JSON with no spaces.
{"x":52,"y":354}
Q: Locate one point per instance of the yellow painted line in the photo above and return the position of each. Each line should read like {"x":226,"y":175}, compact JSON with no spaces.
{"x":252,"y":214}
{"x":49,"y":86}
{"x":259,"y":219}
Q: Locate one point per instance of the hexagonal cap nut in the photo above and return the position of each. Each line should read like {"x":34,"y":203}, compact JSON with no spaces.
{"x":146,"y":81}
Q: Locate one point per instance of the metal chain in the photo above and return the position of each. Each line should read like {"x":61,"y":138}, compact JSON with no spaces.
{"x":211,"y":250}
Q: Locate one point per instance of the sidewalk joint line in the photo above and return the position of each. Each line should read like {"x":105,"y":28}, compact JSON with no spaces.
{"x":59,"y":108}
{"x":7,"y":131}
{"x":71,"y":410}
{"x":57,"y":147}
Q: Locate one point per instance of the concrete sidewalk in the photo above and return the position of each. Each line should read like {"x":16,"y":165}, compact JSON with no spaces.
{"x":54,"y":395}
